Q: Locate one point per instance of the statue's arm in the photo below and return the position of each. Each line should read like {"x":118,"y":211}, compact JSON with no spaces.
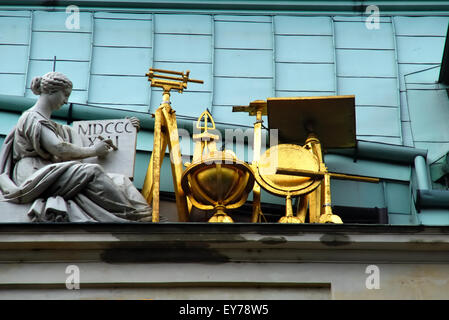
{"x":69,"y":151}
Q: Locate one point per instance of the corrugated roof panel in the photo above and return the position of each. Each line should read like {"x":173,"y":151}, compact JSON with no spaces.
{"x":242,"y":35}
{"x":420,"y":43}
{"x":240,"y":91}
{"x":355,"y":35}
{"x":63,"y":45}
{"x":122,"y":51}
{"x":429,"y":114}
{"x":121,"y":61}
{"x":305,"y":77}
{"x":243,"y":63}
{"x":366,"y":63}
{"x":121,"y":106}
{"x":13,"y":59}
{"x":378,"y":121}
{"x":123,"y":33}
{"x":406,"y":69}
{"x":313,"y":49}
{"x":62,"y":21}
{"x":183,"y":23}
{"x":420,"y":49}
{"x":181,"y":43}
{"x":12,"y":84}
{"x":14,"y":30}
{"x":429,"y":75}
{"x":294,"y":25}
{"x":78,"y":96}
{"x":123,"y":90}
{"x":123,"y":15}
{"x":182,"y":48}
{"x":421,"y":26}
{"x":370,"y":91}
{"x":242,"y":18}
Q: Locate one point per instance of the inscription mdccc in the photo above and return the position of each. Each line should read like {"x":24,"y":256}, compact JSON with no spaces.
{"x":124,"y":137}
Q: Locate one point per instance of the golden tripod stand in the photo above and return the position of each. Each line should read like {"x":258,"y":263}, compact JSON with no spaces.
{"x":166,"y":133}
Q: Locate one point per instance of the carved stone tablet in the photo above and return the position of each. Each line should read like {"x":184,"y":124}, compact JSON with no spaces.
{"x":123,"y":135}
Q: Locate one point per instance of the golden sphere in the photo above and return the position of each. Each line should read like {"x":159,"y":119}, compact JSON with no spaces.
{"x":287,"y":156}
{"x":219,"y":180}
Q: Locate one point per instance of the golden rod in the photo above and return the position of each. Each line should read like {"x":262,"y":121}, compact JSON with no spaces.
{"x":182,"y":78}
{"x":176,"y":78}
{"x":342,"y":176}
{"x":167,"y":71}
{"x":320,"y":175}
{"x":156,"y":164}
{"x":167,"y":77}
{"x":256,"y":158}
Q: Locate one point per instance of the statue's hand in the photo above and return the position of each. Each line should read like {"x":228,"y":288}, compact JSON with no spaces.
{"x":103,"y":147}
{"x":135,"y":122}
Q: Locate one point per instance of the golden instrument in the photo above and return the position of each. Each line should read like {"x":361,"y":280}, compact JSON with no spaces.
{"x":290,"y":170}
{"x":166,"y":133}
{"x":215,"y":179}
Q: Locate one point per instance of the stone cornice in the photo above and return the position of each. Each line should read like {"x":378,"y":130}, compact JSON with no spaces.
{"x":217,"y":243}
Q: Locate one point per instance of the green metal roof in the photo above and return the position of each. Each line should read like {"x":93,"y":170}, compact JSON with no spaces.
{"x":352,"y":7}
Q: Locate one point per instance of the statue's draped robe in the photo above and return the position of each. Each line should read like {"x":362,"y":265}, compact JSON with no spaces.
{"x":62,"y":190}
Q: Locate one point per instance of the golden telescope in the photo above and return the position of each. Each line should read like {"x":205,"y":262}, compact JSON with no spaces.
{"x":166,"y":134}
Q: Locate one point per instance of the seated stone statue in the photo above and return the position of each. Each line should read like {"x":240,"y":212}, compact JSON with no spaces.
{"x":40,"y":164}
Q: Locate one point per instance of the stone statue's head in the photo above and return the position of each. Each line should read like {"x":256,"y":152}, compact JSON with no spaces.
{"x":50,"y":83}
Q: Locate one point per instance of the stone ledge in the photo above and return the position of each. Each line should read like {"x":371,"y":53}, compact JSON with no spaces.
{"x":220,"y":243}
